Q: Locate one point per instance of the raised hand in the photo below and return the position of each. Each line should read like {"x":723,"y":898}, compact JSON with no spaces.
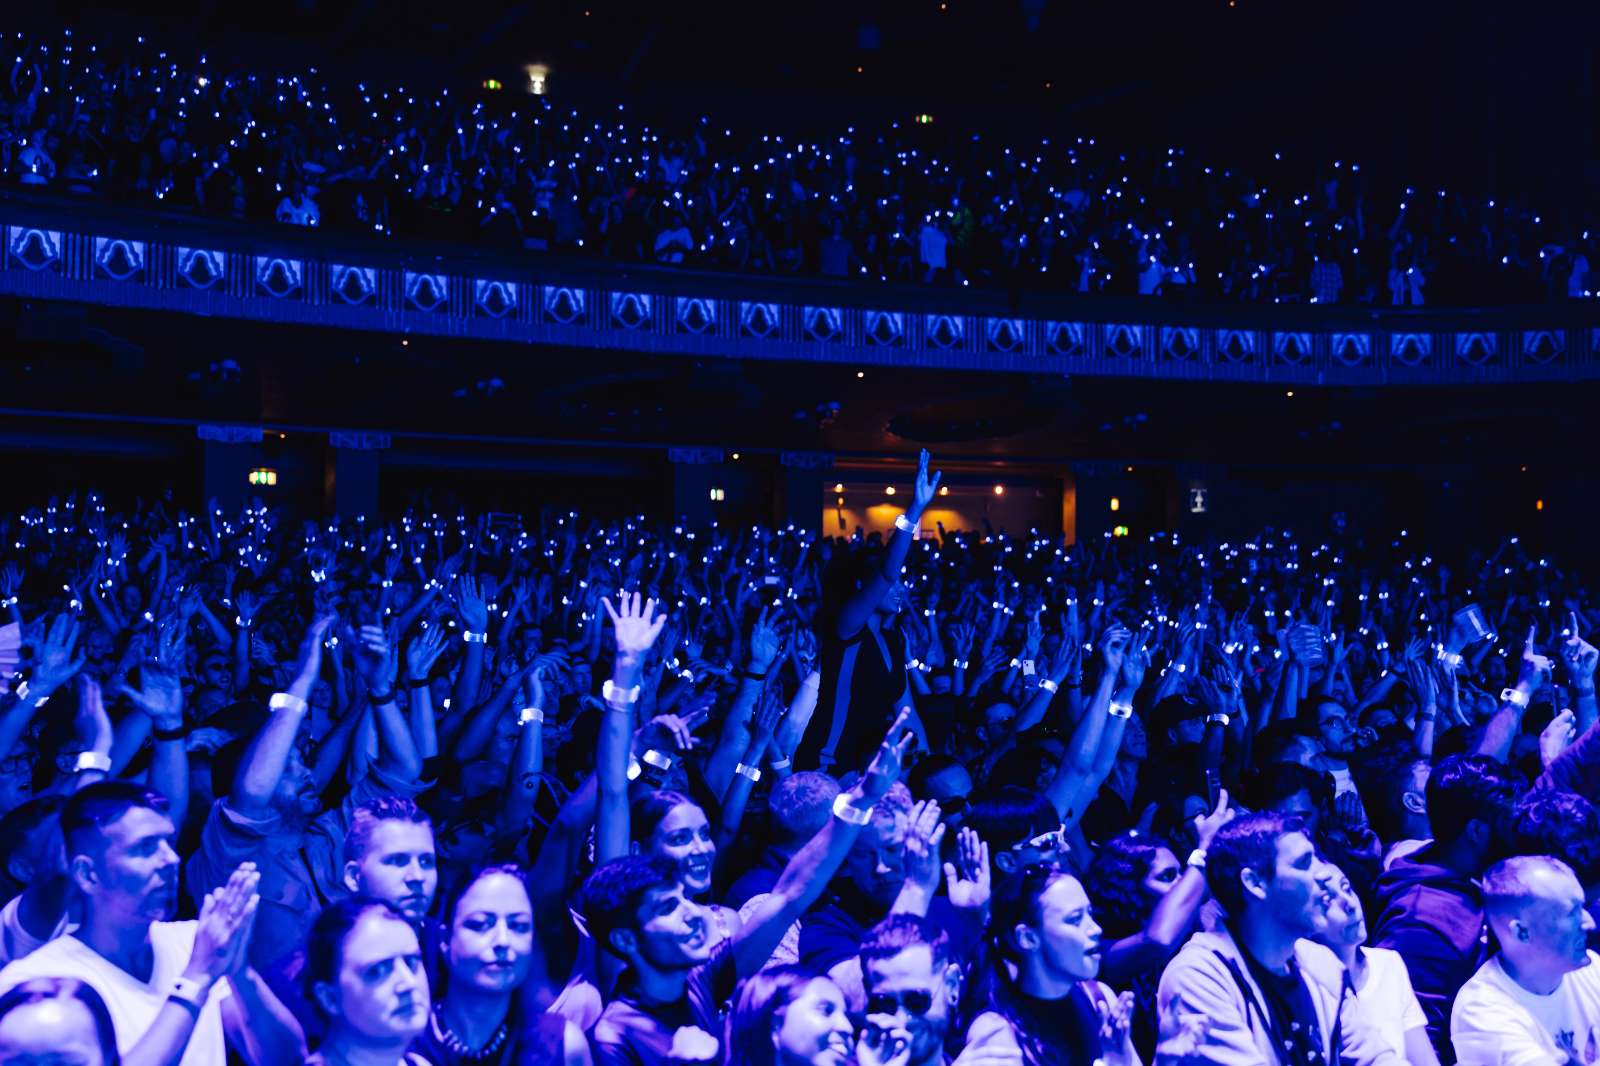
{"x":160,"y":696}
{"x":474,"y":611}
{"x":309,"y":664}
{"x":765,"y":643}
{"x":92,"y":725}
{"x":923,"y":491}
{"x":375,"y":658}
{"x":1580,"y":656}
{"x":635,"y":621}
{"x":889,"y":762}
{"x":54,"y":660}
{"x":967,"y":879}
{"x":1556,"y":736}
{"x":1534,"y":667}
{"x":1135,"y":663}
{"x":764,"y":723}
{"x":1116,"y":1029}
{"x":1206,"y":825}
{"x":924,"y":835}
{"x":883,"y":1042}
{"x":1114,"y":648}
{"x":423,"y":652}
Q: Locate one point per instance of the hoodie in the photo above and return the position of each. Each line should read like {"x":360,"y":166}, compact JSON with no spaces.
{"x":1209,"y":977}
{"x":1434,"y":918}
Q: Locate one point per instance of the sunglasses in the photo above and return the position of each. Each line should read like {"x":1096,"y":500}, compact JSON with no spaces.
{"x":1055,"y":838}
{"x":916,"y":1002}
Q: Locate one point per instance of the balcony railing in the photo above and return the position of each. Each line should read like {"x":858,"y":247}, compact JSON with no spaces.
{"x":100,"y":254}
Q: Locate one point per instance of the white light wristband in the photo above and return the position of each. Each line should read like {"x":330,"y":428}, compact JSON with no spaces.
{"x":470,"y":637}
{"x":619,"y":697}
{"x":285,"y":701}
{"x":1118,"y":709}
{"x":92,"y":760}
{"x":848,"y":813}
{"x":904,"y":524}
{"x":530,"y":714}
{"x":1514,"y":696}
{"x":1048,"y":685}
{"x":753,"y":773}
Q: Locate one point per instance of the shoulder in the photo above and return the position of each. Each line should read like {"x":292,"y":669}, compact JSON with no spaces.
{"x":990,"y":1027}
{"x":58,"y":958}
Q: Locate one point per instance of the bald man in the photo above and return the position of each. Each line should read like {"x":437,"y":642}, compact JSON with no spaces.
{"x":1538,"y":1000}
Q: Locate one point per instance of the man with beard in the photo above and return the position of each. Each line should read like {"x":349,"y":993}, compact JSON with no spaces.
{"x":914,"y":985}
{"x":1271,"y":996}
{"x":170,"y":987}
{"x":272,"y":814}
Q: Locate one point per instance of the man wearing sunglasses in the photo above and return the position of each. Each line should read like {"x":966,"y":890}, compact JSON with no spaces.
{"x":913,"y":987}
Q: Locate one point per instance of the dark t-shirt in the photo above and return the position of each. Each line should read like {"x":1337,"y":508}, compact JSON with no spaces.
{"x":634,"y":1032}
{"x":1291,"y":1015}
{"x":857,"y":699}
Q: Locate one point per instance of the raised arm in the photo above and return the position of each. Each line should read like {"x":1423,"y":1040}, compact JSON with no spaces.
{"x":859,"y":607}
{"x":378,"y":662}
{"x":808,"y":873}
{"x":637,"y":626}
{"x":160,"y":698}
{"x":56,"y":661}
{"x":1581,"y":658}
{"x":264,"y":765}
{"x":1506,"y":723}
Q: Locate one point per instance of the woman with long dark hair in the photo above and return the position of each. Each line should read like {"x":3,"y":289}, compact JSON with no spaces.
{"x":1147,"y":904}
{"x":484,"y":1017}
{"x":56,"y":1020}
{"x":670,"y":825}
{"x":788,"y":1016}
{"x":1038,"y":991}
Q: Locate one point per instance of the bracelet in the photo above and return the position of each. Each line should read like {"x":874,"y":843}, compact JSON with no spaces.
{"x":378,"y":699}
{"x":421,"y":682}
{"x":904,"y":524}
{"x":1197,"y":859}
{"x":530,"y":714}
{"x":914,"y":664}
{"x":779,"y":764}
{"x":751,"y":772}
{"x":660,"y":760}
{"x":242,"y":622}
{"x":1427,"y":717}
{"x":475,"y":638}
{"x":1451,"y":659}
{"x":1118,"y":709}
{"x":1514,"y":696}
{"x":388,"y":584}
{"x":1220,"y":718}
{"x":848,"y":813}
{"x":961,"y":664}
{"x":180,"y":733}
{"x":619,"y":697}
{"x":92,"y":760}
{"x":751,"y":675}
{"x":284,"y":701}
{"x":1049,"y":685}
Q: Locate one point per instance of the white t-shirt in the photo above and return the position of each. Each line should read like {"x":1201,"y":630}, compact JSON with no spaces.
{"x":15,"y":941}
{"x":133,"y":1003}
{"x":1388,"y":1000}
{"x":1497,"y":1022}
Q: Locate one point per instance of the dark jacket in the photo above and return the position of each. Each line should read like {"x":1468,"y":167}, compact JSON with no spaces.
{"x":1434,"y":918}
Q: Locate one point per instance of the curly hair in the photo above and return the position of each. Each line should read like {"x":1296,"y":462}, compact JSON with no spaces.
{"x":1552,"y":822}
{"x":1115,"y":881}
